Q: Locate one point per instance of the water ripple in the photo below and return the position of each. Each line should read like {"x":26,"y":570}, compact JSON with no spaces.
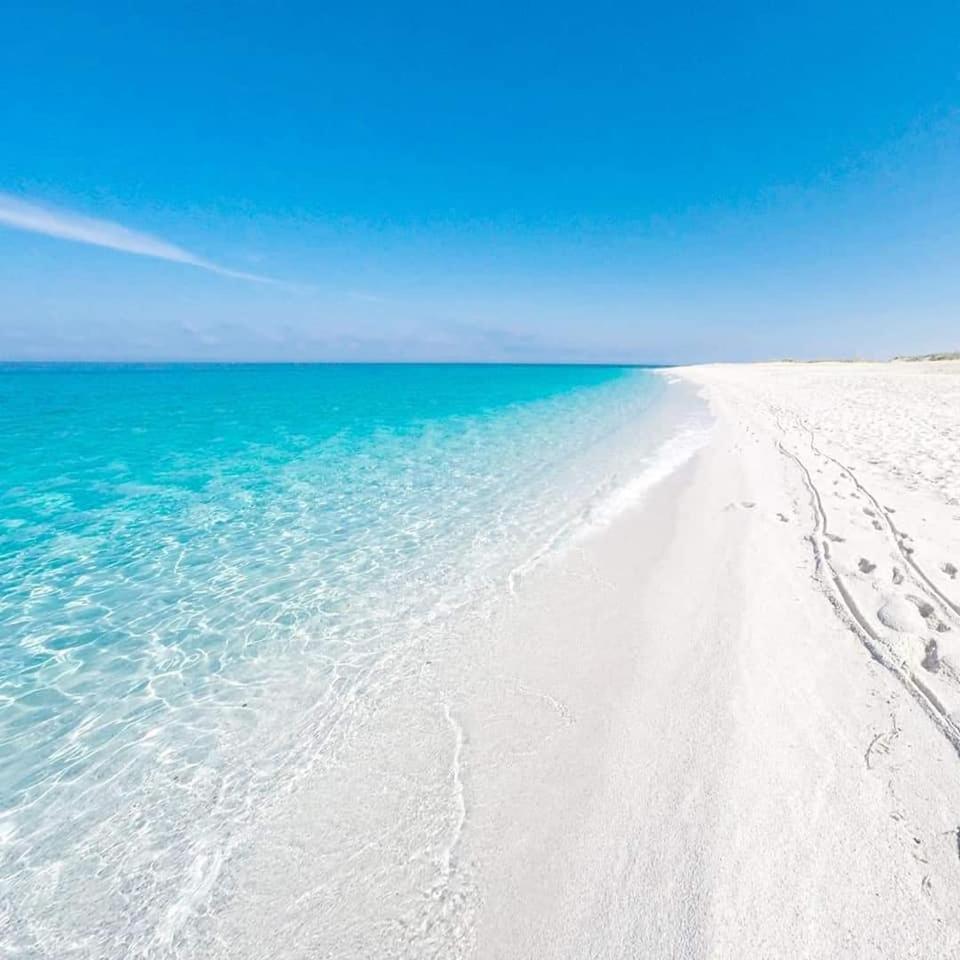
{"x":205,"y":573}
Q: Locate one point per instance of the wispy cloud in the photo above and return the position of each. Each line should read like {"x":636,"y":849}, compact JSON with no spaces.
{"x":22,"y":215}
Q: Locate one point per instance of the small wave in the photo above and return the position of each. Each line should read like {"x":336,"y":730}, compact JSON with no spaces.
{"x":612,"y":499}
{"x":671,"y":455}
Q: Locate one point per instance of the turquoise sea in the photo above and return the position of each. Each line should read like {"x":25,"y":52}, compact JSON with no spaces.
{"x":201,"y":567}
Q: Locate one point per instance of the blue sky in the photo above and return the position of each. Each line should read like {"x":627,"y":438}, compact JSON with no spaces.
{"x":447,"y":181}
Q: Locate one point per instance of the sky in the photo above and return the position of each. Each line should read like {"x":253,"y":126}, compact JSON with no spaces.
{"x":434,"y":181}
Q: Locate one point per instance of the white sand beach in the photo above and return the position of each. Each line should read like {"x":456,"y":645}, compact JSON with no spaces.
{"x":724,"y":726}
{"x":408,"y":548}
{"x":757,"y":754}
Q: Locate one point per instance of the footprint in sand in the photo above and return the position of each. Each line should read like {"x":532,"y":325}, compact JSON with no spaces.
{"x":931,"y":657}
{"x":901,"y":615}
{"x":923,"y":608}
{"x":866,"y":566}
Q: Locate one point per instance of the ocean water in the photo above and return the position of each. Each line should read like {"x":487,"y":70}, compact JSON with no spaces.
{"x":204,"y":570}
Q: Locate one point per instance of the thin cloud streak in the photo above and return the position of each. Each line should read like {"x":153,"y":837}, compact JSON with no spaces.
{"x":20,"y":215}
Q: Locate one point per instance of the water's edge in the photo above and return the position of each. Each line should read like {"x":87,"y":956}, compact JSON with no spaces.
{"x":213,"y":605}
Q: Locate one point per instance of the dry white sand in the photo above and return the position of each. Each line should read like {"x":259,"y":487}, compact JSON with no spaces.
{"x":757,"y":753}
{"x":725,"y":726}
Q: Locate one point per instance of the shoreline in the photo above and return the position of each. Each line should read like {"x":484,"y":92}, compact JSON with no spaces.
{"x":377,"y":879}
{"x":671,"y":739}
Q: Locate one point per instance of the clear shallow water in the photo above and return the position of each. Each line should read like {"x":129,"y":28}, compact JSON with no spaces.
{"x":203,"y":568}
